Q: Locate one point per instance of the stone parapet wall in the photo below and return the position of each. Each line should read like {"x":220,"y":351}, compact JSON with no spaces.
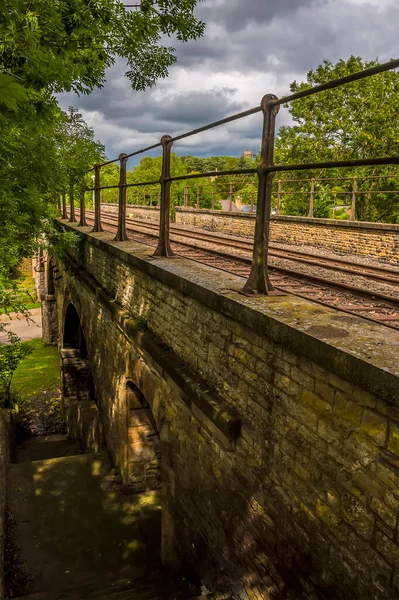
{"x":379,"y":240}
{"x":298,"y":498}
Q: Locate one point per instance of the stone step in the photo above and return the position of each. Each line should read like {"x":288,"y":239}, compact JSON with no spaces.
{"x":46,"y":447}
{"x":152,"y":588}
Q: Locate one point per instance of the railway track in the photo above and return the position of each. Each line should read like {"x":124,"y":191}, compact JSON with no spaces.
{"x":313,"y":282}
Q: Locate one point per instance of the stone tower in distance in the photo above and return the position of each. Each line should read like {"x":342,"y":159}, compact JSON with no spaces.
{"x":247,"y":154}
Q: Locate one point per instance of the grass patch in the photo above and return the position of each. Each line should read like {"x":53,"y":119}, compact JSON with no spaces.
{"x":37,"y":372}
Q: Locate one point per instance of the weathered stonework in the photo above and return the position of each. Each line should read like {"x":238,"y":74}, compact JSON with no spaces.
{"x":150,"y":213}
{"x":279,"y":437}
{"x":379,"y":240}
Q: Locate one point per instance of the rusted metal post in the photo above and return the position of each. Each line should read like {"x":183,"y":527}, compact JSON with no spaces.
{"x":159,"y":198}
{"x":144,"y":196}
{"x":198,"y":197}
{"x":97,"y":200}
{"x":311,"y":198}
{"x":278,"y":205}
{"x":213,"y":195}
{"x":354,"y":191}
{"x":82,"y":219}
{"x":72,"y":218}
{"x":185,"y":196}
{"x":252,"y":196}
{"x":258,"y":281}
{"x":163,"y":248}
{"x":64,"y":207}
{"x":150,"y":196}
{"x":231,"y":196}
{"x":121,"y":235}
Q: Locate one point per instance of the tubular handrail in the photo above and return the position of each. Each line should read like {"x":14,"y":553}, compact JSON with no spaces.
{"x":258,"y":281}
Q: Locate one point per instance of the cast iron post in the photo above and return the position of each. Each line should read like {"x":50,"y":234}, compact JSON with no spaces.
{"x":71,"y":206}
{"x":64,"y":208}
{"x":231,"y":196}
{"x":97,"y":200}
{"x":213,"y":195}
{"x":163,"y":248}
{"x":258,"y":280}
{"x":121,"y":235}
{"x":82,"y":220}
{"x":311,"y":198}
{"x":252,"y":196}
{"x":198,"y":197}
{"x":185,"y":201}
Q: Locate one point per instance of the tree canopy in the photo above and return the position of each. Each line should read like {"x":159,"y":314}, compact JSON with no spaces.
{"x":50,"y":46}
{"x":356,"y":120}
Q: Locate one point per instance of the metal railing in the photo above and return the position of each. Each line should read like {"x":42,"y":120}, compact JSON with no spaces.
{"x":258,"y":281}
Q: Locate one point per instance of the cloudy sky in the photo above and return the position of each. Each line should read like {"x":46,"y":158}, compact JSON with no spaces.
{"x":251,"y":47}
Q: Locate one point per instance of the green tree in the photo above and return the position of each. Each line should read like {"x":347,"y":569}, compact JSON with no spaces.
{"x":11,"y":355}
{"x":357,"y":120}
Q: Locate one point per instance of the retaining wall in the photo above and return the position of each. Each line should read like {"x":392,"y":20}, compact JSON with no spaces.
{"x":379,"y":240}
{"x":278,"y":422}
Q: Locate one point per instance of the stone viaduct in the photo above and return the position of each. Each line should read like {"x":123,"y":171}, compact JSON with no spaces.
{"x":271,"y":424}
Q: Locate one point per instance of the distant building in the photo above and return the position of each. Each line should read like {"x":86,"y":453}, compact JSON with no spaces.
{"x":247,"y":154}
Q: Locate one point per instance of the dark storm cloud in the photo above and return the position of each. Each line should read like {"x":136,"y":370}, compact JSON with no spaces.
{"x":249,"y":48}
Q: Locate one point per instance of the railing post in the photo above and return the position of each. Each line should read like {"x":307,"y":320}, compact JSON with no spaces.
{"x":252,"y":196}
{"x":278,"y":205}
{"x":72,"y":218}
{"x":121,"y":235}
{"x":59,"y":204}
{"x":97,"y":200}
{"x":185,"y":196}
{"x":150,"y":196}
{"x":354,"y":190}
{"x":258,"y":281}
{"x":64,"y":206}
{"x":231,"y":196}
{"x":163,"y":248}
{"x":311,"y":198}
{"x":213,"y":195}
{"x":198,"y":197}
{"x":82,"y":219}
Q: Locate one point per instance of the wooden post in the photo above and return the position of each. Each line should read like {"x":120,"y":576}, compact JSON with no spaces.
{"x":354,"y":191}
{"x":278,"y":205}
{"x":311,"y":198}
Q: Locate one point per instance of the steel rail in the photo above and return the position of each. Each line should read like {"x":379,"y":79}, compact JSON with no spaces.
{"x":393,"y":303}
{"x":389,"y":276}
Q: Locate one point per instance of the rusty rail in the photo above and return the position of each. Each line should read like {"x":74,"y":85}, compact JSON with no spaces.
{"x":258,"y":281}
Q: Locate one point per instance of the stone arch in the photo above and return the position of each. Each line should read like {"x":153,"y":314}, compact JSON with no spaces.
{"x":82,"y":416}
{"x":76,"y":375}
{"x":143,"y":472}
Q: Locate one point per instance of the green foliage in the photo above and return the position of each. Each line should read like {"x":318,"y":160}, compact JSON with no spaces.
{"x":68,"y":44}
{"x":11,"y":355}
{"x":357,"y":120}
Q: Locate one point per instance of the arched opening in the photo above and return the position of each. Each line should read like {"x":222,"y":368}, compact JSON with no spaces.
{"x":73,"y":333}
{"x":143,"y":443}
{"x":77,"y":380}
